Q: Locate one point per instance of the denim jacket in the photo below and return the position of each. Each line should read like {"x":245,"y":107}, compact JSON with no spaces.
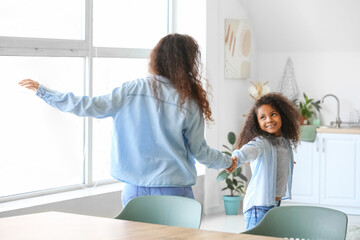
{"x":262,"y":155}
{"x":154,"y":143}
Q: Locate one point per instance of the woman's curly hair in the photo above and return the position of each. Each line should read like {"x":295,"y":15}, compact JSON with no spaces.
{"x":177,"y":57}
{"x":289,"y":118}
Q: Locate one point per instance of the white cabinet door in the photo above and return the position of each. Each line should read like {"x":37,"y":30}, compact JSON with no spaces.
{"x":305,"y":187}
{"x":340,"y":170}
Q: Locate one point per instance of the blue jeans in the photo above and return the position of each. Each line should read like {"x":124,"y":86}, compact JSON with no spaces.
{"x":132,"y":191}
{"x":254,"y":215}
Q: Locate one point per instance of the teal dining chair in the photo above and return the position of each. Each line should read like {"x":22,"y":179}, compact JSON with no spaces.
{"x":165,"y":210}
{"x":302,"y":222}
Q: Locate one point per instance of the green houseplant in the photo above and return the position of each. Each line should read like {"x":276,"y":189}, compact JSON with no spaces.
{"x":234,"y":181}
{"x":307,"y":109}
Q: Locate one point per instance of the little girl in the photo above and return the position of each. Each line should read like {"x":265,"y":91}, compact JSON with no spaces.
{"x":270,"y":132}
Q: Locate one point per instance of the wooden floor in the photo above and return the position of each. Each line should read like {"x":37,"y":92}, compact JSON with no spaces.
{"x":223,"y":223}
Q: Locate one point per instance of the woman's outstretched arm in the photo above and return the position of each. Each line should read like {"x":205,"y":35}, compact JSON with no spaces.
{"x":30,"y":84}
{"x":85,"y":106}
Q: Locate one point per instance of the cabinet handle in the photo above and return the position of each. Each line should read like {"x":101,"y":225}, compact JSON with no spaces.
{"x":317,"y":144}
{"x":323,"y":145}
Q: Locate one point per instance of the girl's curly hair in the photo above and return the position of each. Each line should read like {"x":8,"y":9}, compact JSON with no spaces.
{"x":177,"y":57}
{"x":289,"y":118}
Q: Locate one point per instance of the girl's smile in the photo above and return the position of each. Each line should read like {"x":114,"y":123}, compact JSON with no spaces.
{"x":269,"y":120}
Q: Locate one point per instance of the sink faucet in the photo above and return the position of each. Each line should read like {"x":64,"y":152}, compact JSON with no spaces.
{"x":338,"y":121}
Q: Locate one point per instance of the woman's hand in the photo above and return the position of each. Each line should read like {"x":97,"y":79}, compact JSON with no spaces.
{"x":30,"y":84}
{"x":233,"y":165}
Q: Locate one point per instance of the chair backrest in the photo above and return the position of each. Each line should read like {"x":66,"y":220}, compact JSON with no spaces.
{"x":165,"y":210}
{"x":303,"y":222}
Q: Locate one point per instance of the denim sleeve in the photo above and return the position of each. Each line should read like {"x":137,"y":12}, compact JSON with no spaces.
{"x":98,"y":107}
{"x":194,"y":135}
{"x":248,"y":152}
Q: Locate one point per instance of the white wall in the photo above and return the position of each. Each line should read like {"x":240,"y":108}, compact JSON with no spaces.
{"x":230,"y":96}
{"x":323,"y":39}
{"x":306,"y":25}
{"x":100,"y":205}
{"x":317,"y":74}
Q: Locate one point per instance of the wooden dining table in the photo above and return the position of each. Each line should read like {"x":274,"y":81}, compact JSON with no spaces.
{"x":68,"y":226}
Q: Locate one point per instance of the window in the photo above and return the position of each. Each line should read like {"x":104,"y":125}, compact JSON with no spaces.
{"x":87,"y":47}
{"x":39,"y":145}
{"x":62,"y":19}
{"x":130,"y":23}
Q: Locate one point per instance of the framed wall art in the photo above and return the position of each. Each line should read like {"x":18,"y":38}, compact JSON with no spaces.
{"x":237,"y":49}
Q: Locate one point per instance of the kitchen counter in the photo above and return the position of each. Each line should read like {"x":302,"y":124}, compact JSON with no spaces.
{"x":338,"y":130}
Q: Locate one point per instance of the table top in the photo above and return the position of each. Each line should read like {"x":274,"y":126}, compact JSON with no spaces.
{"x":67,"y":226}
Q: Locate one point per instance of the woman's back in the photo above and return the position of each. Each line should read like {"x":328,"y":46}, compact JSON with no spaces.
{"x":150,"y":132}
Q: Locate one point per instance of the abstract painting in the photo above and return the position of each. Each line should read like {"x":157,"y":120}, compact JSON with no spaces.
{"x":237,"y":49}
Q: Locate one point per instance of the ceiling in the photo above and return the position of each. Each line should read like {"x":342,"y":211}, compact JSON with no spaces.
{"x":305,"y":25}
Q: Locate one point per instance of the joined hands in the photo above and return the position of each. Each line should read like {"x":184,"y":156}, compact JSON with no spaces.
{"x":233,"y":165}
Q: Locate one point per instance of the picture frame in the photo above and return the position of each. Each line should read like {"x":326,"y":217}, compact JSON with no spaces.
{"x":237,"y":49}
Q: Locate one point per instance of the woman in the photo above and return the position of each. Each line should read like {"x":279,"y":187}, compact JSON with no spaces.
{"x":158,"y":122}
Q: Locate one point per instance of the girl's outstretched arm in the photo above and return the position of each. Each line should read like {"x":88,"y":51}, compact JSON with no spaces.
{"x":30,"y":84}
{"x":248,"y":152}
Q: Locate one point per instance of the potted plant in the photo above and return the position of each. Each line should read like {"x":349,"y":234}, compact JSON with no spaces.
{"x":234,"y":181}
{"x":307,"y":109}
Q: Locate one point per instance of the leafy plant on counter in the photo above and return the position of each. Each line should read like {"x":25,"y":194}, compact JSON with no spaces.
{"x":307,"y":107}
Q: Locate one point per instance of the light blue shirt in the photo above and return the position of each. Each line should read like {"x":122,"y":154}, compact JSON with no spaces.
{"x":262,"y":155}
{"x":154,"y":143}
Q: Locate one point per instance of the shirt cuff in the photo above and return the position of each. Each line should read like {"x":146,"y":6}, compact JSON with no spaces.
{"x":40,"y":91}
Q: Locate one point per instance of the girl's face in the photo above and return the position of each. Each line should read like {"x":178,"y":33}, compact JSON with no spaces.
{"x":269,"y":120}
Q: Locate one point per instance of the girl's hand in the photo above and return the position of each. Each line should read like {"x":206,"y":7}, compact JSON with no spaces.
{"x":30,"y":84}
{"x":233,"y":165}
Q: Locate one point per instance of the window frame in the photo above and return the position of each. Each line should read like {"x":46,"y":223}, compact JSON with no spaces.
{"x":22,"y":46}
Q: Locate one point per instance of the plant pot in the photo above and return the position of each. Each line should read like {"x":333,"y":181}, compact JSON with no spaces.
{"x":308,"y":133}
{"x":232,"y":204}
{"x":303,"y":120}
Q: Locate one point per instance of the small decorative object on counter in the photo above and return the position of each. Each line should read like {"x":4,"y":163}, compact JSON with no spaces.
{"x":316,"y":122}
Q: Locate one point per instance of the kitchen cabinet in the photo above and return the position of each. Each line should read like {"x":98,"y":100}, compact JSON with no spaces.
{"x":327,"y":172}
{"x":305,"y":186}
